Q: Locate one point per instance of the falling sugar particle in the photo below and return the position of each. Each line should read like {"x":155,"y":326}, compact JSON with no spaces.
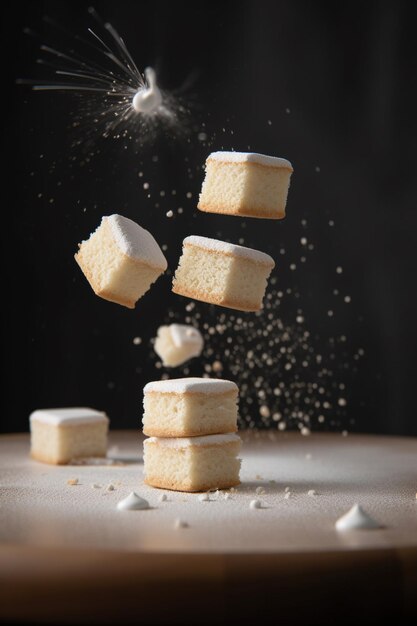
{"x":169,"y":213}
{"x":137,"y":341}
{"x":180,"y":524}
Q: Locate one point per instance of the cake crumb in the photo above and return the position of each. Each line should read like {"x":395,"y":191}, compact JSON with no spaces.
{"x":72,"y":481}
{"x":179,"y":523}
{"x":311,"y":492}
{"x":163,"y":497}
{"x":258,"y":477}
{"x":204,"y":497}
{"x":259,"y":490}
{"x":96,"y":486}
{"x":255,"y":504}
{"x":110,"y":487}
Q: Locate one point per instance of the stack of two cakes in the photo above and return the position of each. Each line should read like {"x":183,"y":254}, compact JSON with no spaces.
{"x":191,"y":424}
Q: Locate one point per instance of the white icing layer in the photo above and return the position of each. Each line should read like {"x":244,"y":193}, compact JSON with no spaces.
{"x":135,"y":241}
{"x":191,"y":385}
{"x":181,"y":335}
{"x":356,"y":519}
{"x":187,"y":442}
{"x":230,"y":248}
{"x":133,"y":502}
{"x":70,"y":416}
{"x":249,"y":157}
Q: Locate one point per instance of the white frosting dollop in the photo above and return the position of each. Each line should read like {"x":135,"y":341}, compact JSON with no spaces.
{"x":68,"y":416}
{"x":191,"y":385}
{"x":356,"y":519}
{"x":133,"y":502}
{"x":135,"y":241}
{"x":250,"y":157}
{"x":185,"y":442}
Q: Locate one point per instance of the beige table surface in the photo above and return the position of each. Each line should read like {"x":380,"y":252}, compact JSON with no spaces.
{"x":60,"y":537}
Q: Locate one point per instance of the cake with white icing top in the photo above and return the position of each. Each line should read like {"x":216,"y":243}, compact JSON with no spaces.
{"x":177,"y":343}
{"x":192,"y":464}
{"x":245,"y":184}
{"x":190,"y":407}
{"x":60,"y":435}
{"x":222,"y":273}
{"x":121,"y":260}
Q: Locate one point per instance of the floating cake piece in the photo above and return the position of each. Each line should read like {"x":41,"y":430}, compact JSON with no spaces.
{"x":187,"y":407}
{"x":120,"y":260}
{"x":177,"y":343}
{"x":60,"y":435}
{"x":245,"y":184}
{"x":192,"y":464}
{"x":222,"y":273}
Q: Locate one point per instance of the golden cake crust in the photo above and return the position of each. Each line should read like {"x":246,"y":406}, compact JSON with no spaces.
{"x":154,"y":481}
{"x":210,"y":299}
{"x":208,"y":207}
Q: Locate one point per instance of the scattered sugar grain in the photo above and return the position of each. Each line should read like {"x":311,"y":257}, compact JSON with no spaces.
{"x":255,"y":504}
{"x":163,"y":497}
{"x":204,"y":497}
{"x":311,"y":492}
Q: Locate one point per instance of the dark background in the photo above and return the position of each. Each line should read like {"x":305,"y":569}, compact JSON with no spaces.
{"x":330,"y":86}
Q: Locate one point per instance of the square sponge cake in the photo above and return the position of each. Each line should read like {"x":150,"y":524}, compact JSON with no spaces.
{"x":192,"y":464}
{"x":222,"y":273}
{"x":121,"y":260}
{"x":60,"y":435}
{"x":188,"y":407}
{"x":246,"y":184}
